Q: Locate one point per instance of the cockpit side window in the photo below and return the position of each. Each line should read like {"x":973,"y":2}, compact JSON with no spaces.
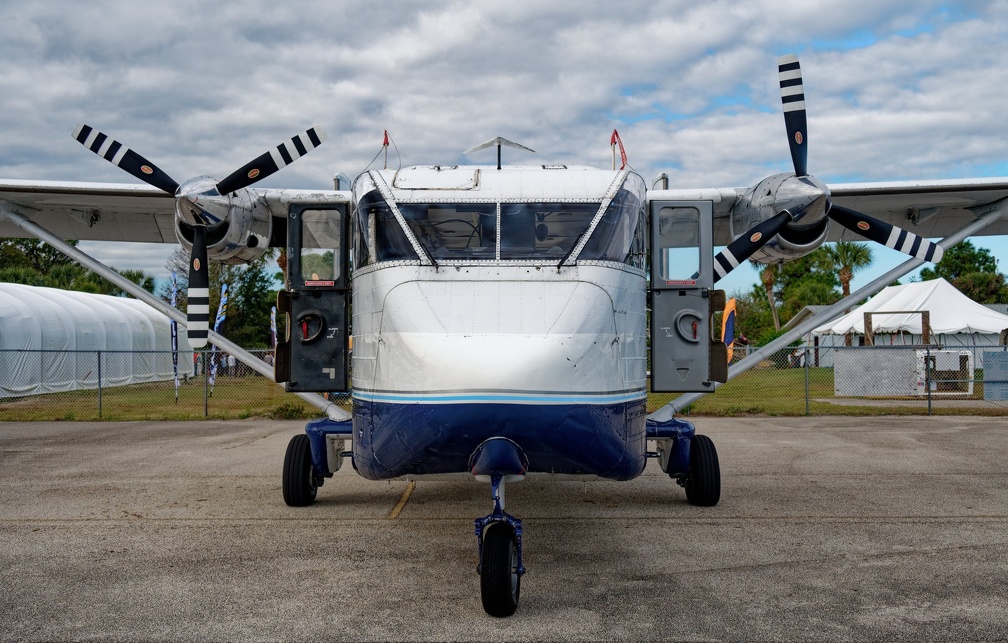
{"x":379,"y":237}
{"x":542,"y":230}
{"x":620,"y":233}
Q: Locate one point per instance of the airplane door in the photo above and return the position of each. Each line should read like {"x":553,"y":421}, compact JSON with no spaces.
{"x":313,"y":357}
{"x":684,"y":357}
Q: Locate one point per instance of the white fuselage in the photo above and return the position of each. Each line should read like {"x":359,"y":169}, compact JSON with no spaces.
{"x":499,"y":304}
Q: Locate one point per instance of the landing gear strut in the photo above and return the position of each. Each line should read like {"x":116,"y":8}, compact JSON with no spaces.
{"x":499,"y":537}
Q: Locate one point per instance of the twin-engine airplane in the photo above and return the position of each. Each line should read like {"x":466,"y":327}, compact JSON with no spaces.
{"x":500,"y":313}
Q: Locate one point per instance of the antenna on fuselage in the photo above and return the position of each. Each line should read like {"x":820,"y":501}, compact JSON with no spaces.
{"x":500,"y":142}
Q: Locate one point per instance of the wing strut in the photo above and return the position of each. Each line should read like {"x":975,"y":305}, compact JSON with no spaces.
{"x":247,"y":358}
{"x":994,"y":212}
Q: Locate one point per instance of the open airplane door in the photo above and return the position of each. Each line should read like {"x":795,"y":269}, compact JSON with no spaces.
{"x":684,"y":354}
{"x":313,"y":357}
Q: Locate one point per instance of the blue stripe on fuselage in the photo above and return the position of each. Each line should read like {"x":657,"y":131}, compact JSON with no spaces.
{"x":392,"y":440}
{"x":497,"y":397}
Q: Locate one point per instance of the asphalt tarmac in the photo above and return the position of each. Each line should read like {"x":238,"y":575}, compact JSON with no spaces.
{"x":828,"y":529}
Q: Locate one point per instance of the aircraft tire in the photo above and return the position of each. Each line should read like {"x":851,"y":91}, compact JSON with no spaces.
{"x":500,"y":583}
{"x":299,"y":486}
{"x":703,"y":486}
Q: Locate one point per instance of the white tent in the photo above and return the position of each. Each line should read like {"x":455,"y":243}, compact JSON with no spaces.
{"x":50,"y":341}
{"x":951,"y":312}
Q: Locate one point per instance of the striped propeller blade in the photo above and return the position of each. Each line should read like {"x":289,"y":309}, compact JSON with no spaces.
{"x":277,"y":158}
{"x":118,"y":154}
{"x":198,"y":308}
{"x":887,"y":234}
{"x":793,"y":101}
{"x":742,"y":248}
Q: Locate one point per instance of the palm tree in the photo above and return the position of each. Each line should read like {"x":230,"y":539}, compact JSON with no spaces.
{"x":847,"y":258}
{"x":768,"y":275}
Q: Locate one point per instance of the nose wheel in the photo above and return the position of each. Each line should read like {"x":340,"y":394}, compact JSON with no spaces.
{"x":499,"y":537}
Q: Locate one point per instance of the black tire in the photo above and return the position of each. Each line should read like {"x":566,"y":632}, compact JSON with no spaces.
{"x":299,"y":486}
{"x":500,"y":583}
{"x":703,"y":486}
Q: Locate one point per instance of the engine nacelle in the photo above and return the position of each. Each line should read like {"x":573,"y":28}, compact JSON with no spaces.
{"x":238,"y":225}
{"x":805,"y":197}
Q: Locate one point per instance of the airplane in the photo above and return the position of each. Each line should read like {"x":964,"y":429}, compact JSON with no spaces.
{"x":502,"y":315}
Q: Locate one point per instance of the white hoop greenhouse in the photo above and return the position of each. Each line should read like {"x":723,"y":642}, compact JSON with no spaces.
{"x":57,"y":340}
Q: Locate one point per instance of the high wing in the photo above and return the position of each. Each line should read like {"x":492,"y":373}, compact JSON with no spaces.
{"x":931,"y":209}
{"x":119,"y":211}
{"x":91,"y":211}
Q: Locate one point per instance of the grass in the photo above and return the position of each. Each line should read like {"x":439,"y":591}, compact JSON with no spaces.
{"x":781,"y":392}
{"x":232,"y":398}
{"x":759,"y":392}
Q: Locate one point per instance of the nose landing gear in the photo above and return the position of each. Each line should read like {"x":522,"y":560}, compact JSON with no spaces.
{"x":499,"y":537}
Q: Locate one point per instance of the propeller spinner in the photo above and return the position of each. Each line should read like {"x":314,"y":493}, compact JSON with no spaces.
{"x":200,"y":202}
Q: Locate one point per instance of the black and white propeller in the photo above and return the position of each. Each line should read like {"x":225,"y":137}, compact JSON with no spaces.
{"x":201,"y":203}
{"x":801,"y":201}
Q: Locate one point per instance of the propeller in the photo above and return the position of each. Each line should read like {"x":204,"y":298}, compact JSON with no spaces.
{"x":194,"y":194}
{"x":887,"y":234}
{"x":747,"y":244}
{"x":272,"y":161}
{"x":795,"y":120}
{"x":804,"y":198}
{"x":118,"y":154}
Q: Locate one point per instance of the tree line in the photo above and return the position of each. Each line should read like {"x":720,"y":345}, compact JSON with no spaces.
{"x":823,"y":277}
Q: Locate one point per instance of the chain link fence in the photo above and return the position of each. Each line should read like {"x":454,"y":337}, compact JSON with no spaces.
{"x":863,"y":380}
{"x":40,"y":385}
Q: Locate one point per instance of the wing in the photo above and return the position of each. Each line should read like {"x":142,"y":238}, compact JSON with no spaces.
{"x":932,"y":209}
{"x":120,"y":211}
{"x":91,"y":211}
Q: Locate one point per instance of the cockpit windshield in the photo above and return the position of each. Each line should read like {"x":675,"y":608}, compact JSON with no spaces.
{"x":504,"y":231}
{"x":454,"y":230}
{"x":543,"y":230}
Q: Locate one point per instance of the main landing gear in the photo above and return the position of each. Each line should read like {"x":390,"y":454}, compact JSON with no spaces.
{"x":299,"y":483}
{"x":703,"y":480}
{"x":312,"y":457}
{"x":688,"y":458}
{"x":499,"y":535}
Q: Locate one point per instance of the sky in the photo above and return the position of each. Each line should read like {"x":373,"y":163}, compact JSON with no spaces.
{"x":895,"y":90}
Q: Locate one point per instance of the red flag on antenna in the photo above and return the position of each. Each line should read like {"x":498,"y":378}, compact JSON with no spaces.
{"x":385,"y":142}
{"x":614,"y":140}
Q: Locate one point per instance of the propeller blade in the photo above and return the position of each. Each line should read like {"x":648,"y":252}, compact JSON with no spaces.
{"x":118,"y":154}
{"x":280,"y":156}
{"x":742,"y":248}
{"x":198,"y":308}
{"x":793,"y":101}
{"x":887,"y":234}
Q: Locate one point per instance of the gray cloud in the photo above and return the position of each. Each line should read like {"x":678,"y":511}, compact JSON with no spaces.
{"x":895,"y":90}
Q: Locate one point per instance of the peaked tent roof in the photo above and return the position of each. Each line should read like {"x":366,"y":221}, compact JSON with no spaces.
{"x":951,"y":312}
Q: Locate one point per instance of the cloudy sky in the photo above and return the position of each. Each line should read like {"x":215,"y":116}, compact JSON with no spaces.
{"x":895,"y":89}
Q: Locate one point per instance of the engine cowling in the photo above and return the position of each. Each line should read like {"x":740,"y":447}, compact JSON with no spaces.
{"x":807,"y":200}
{"x":238,"y":225}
